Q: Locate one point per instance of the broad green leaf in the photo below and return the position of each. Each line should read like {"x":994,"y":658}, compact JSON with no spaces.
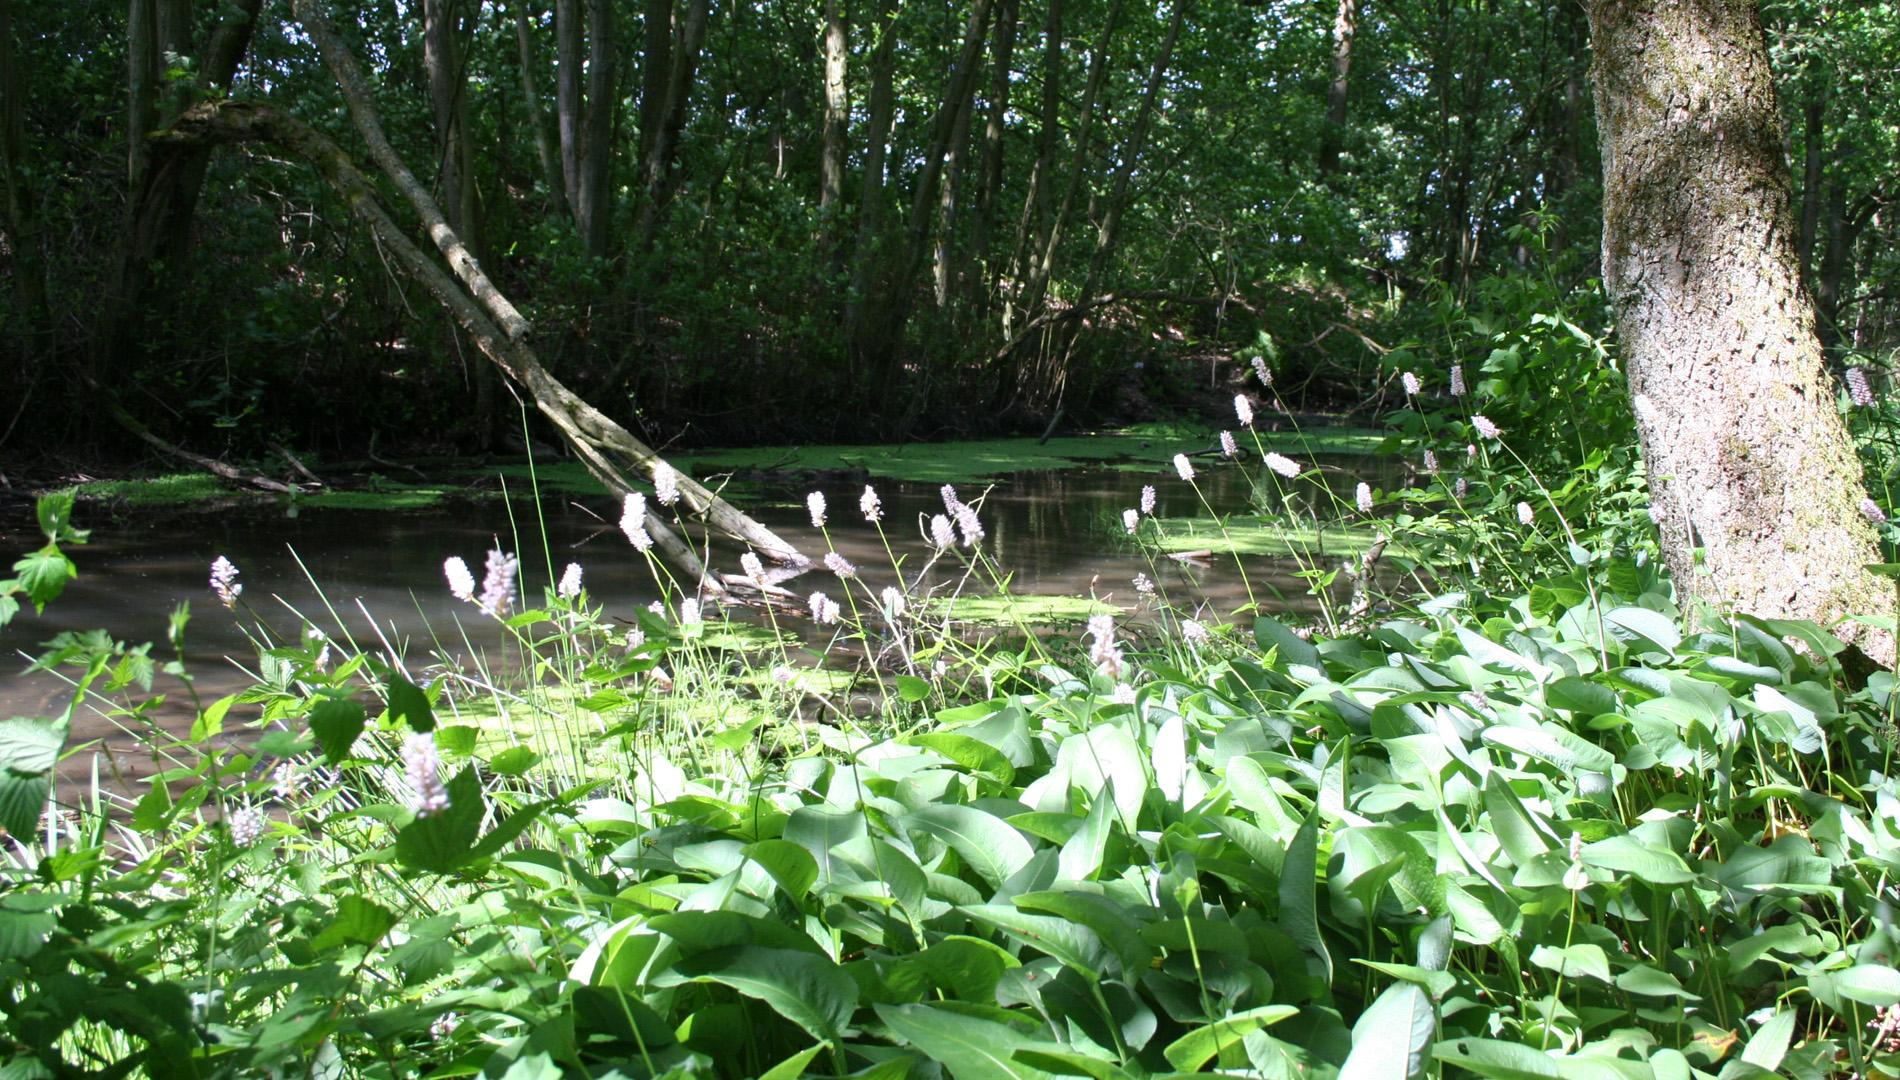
{"x":43,"y":575}
{"x":1643,"y":625}
{"x":409,"y":705}
{"x":357,"y":922}
{"x":1189,"y":1052}
{"x":1517,"y":831}
{"x":1497,"y":1059}
{"x":973,"y":754}
{"x":1869,"y":984}
{"x":30,"y":747}
{"x":1770,"y":1042}
{"x":1390,"y":1040}
{"x":514,"y":761}
{"x":1114,"y":924}
{"x":968,"y":1047}
{"x":986,"y":843}
{"x":794,"y":1067}
{"x":790,"y":865}
{"x":209,"y":723}
{"x":911,"y":688}
{"x":22,"y":798}
{"x":1628,"y":855}
{"x":1271,"y":633}
{"x":1575,"y":961}
{"x":1653,"y":982}
{"x":1081,"y":854}
{"x":1074,"y":945}
{"x":445,"y":840}
{"x":805,"y":988}
{"x":336,"y":723}
{"x":1299,"y":909}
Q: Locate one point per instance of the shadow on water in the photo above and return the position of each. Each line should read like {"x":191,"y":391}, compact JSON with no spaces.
{"x":1056,"y":533}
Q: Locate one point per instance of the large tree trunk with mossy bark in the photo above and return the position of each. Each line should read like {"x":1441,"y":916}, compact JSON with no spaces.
{"x":1754,"y":478}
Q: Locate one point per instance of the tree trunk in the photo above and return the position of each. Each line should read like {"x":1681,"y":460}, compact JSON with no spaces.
{"x":597,"y":135}
{"x":989,"y":186}
{"x":18,"y":201}
{"x":883,"y":110}
{"x":1042,"y":263}
{"x":569,"y":105}
{"x":1108,"y":234}
{"x":1334,"y":133}
{"x":1047,"y":130}
{"x":656,"y":67}
{"x":544,"y":142}
{"x":448,"y":99}
{"x":887,"y":333}
{"x":837,"y":116}
{"x":679,"y":90}
{"x":362,"y":109}
{"x":1753,"y":476}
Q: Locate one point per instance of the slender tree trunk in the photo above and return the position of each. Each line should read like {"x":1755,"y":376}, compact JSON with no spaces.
{"x":1754,"y":479}
{"x":597,"y":133}
{"x":883,"y":111}
{"x":545,"y":148}
{"x":141,"y":88}
{"x":659,"y":163}
{"x":656,"y":68}
{"x":989,"y":188}
{"x":954,"y":166}
{"x":837,"y":116}
{"x":569,"y":105}
{"x":1109,"y":232}
{"x":1840,"y":232}
{"x":1044,"y":261}
{"x":1048,"y":128}
{"x":448,"y":98}
{"x":18,"y":200}
{"x":898,"y":291}
{"x":1334,"y":133}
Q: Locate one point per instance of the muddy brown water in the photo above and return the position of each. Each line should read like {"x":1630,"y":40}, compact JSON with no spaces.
{"x":380,"y":572}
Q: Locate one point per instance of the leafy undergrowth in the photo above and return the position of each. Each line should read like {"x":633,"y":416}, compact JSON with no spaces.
{"x":1551,"y":835}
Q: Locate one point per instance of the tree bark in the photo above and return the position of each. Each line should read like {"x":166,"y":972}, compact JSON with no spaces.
{"x":837,"y":114}
{"x":1047,"y":130}
{"x":1754,"y":479}
{"x":679,"y":90}
{"x":883,"y":110}
{"x":448,"y":99}
{"x":989,"y":188}
{"x":18,"y":201}
{"x":1813,"y":175}
{"x":1042,"y":263}
{"x":569,"y":38}
{"x":1109,"y":232}
{"x":1334,"y":133}
{"x":656,"y":67}
{"x":545,"y":147}
{"x":595,"y":209}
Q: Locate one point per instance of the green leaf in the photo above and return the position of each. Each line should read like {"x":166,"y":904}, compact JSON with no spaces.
{"x":1869,"y":984}
{"x":55,"y":513}
{"x":1391,"y":1037}
{"x":1628,"y":855}
{"x":1081,"y":854}
{"x":21,"y":800}
{"x":1575,"y":961}
{"x":458,"y":740}
{"x":805,"y":988}
{"x":336,"y":723}
{"x":1770,"y":1042}
{"x":409,"y":705}
{"x":1299,"y":909}
{"x":911,"y":688}
{"x":985,"y":842}
{"x":1074,"y":945}
{"x":1653,"y":982}
{"x":1642,"y":624}
{"x":44,"y":574}
{"x":969,"y":1047}
{"x":514,"y":761}
{"x":973,"y":754}
{"x":30,"y":747}
{"x":357,"y":922}
{"x":794,"y":1067}
{"x":790,"y":865}
{"x":1497,"y":1059}
{"x":209,"y":724}
{"x":23,"y":933}
{"x":444,"y":841}
{"x":1517,"y":831}
{"x":1189,"y":1052}
{"x":1271,"y":633}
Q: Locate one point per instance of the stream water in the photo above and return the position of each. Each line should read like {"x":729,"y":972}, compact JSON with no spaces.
{"x":379,"y":572}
